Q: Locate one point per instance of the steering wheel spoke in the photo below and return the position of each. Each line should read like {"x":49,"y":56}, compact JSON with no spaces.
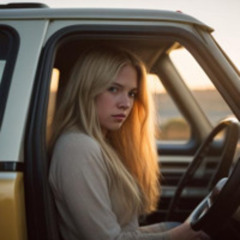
{"x":219,"y":206}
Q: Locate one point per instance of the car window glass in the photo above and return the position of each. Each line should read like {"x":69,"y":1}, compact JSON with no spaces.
{"x":171,"y":125}
{"x":201,"y":86}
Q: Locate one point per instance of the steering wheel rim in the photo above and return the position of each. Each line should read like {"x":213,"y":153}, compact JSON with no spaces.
{"x":211,"y":218}
{"x":226,"y":158}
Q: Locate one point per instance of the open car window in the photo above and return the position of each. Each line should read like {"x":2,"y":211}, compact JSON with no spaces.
{"x":173,"y":126}
{"x":180,"y":86}
{"x":203,"y":90}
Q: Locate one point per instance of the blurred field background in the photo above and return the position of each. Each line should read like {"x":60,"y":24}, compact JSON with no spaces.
{"x":170,"y":121}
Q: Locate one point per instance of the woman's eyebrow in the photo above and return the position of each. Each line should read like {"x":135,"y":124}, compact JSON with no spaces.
{"x":118,"y":84}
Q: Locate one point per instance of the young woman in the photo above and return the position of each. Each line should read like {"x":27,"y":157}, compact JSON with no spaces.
{"x":104,"y":172}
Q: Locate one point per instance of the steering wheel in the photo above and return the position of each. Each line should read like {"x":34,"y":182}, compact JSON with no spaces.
{"x":224,"y":163}
{"x":218,"y":206}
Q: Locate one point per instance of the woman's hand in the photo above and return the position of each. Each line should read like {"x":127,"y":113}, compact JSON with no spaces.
{"x":185,"y":232}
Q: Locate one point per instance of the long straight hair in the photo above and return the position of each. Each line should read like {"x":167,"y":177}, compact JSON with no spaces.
{"x":130,"y":152}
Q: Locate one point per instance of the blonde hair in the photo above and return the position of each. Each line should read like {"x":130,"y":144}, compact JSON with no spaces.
{"x":130,"y":152}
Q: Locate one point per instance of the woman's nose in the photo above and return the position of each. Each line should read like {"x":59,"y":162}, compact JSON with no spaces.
{"x":124,"y":101}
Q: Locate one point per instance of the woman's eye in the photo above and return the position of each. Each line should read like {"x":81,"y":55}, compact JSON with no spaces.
{"x":133,"y":94}
{"x":112,"y":89}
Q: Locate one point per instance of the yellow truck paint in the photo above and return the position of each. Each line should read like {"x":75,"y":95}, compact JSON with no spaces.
{"x":12,"y":207}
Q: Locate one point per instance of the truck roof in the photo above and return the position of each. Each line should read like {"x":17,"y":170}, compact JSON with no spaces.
{"x":99,"y":14}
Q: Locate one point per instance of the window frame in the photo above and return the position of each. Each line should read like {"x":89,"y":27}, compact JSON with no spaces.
{"x":39,"y":215}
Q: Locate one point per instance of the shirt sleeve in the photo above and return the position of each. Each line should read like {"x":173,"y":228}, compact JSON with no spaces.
{"x":80,"y":185}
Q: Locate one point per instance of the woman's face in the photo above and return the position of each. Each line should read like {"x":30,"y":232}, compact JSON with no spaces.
{"x":115,"y":103}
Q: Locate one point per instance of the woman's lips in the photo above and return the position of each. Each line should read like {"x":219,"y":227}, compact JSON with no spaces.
{"x":119,"y":117}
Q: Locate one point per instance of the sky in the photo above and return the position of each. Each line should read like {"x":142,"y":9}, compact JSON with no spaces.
{"x":222,"y":15}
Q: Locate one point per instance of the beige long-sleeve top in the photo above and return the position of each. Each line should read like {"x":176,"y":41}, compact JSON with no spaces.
{"x":87,"y":209}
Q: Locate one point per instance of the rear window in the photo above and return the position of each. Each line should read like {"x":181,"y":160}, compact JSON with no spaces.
{"x":9,"y":42}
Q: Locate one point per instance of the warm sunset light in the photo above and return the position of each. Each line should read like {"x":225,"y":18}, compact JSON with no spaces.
{"x":155,"y":85}
{"x":189,"y":69}
{"x":55,"y":80}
